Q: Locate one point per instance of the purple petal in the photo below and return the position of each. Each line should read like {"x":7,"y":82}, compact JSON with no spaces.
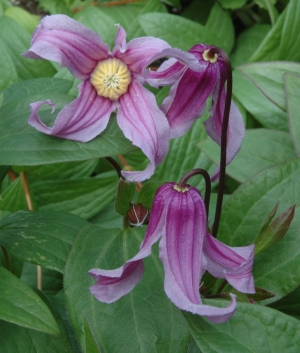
{"x":181,"y":250}
{"x":113,"y":284}
{"x":186,"y":100}
{"x":169,"y":72}
{"x":120,"y":41}
{"x":81,"y":120}
{"x":235,"y":132}
{"x":68,"y":42}
{"x":143,"y":123}
{"x":233,"y":264}
{"x":139,"y":51}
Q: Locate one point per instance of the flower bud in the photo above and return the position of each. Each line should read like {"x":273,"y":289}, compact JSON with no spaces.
{"x":138,"y":215}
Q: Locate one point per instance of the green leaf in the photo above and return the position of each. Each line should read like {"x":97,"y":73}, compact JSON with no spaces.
{"x":268,"y":78}
{"x":19,"y":339}
{"x":218,"y":29}
{"x":16,"y":41}
{"x":124,"y":197}
{"x":244,"y":214}
{"x":261,"y":148}
{"x":21,"y":144}
{"x":251,"y":329}
{"x":282,"y":42}
{"x":13,"y":198}
{"x":42,"y":238}
{"x":232,"y":4}
{"x":275,"y":231}
{"x":264,"y":111}
{"x":184,"y":155}
{"x":3,"y":171}
{"x":147,"y":193}
{"x":292,"y":89}
{"x":21,"y":306}
{"x":260,"y":294}
{"x":82,"y":197}
{"x":91,"y":345}
{"x":24,"y":18}
{"x":144,"y":320}
{"x":289,"y":304}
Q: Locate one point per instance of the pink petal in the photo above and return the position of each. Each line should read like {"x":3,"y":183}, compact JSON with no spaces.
{"x":81,"y":120}
{"x":180,"y":252}
{"x":139,"y":51}
{"x":187,"y":98}
{"x":236,"y":127}
{"x":113,"y":284}
{"x":233,"y":264}
{"x":120,"y":40}
{"x":68,"y":42}
{"x":143,"y":123}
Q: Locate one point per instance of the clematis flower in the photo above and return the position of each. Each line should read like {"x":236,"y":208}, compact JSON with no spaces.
{"x":110,"y":81}
{"x":186,"y":250}
{"x":187,"y":98}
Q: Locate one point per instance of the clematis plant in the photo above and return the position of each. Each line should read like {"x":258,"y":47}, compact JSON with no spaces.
{"x":111,"y":80}
{"x":187,"y":250}
{"x":190,"y":91}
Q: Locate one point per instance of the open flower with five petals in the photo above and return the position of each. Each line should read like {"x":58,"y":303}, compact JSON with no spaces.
{"x":189,"y":93}
{"x":186,"y":250}
{"x":110,"y":81}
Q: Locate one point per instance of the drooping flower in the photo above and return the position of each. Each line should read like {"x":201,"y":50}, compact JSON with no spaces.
{"x":110,"y":81}
{"x":191,"y":89}
{"x":186,"y":250}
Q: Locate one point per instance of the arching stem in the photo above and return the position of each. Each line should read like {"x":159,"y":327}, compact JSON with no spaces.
{"x":115,"y":165}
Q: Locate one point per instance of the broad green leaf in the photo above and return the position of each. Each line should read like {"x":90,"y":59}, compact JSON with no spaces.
{"x":42,"y":238}
{"x":247,"y":42}
{"x":198,"y":11}
{"x":218,"y":29}
{"x":289,"y":304}
{"x":21,"y":144}
{"x":8,"y":72}
{"x":253,"y":328}
{"x":244,"y":213}
{"x":232,"y":4}
{"x":144,"y":320}
{"x":82,"y":197}
{"x":147,"y":193}
{"x":91,"y":345}
{"x":184,"y":155}
{"x":21,"y":306}
{"x":261,"y":148}
{"x":108,"y":218}
{"x":263,"y":110}
{"x":292,"y":91}
{"x":19,"y":339}
{"x":24,"y":18}
{"x":268,"y":78}
{"x":172,"y":2}
{"x":282,"y":42}
{"x":98,"y":21}
{"x":13,"y":198}
{"x":16,"y":42}
{"x":3,"y":171}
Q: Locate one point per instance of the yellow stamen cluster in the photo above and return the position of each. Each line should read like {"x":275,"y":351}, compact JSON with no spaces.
{"x":111,"y":78}
{"x":209,"y":58}
{"x":180,"y":189}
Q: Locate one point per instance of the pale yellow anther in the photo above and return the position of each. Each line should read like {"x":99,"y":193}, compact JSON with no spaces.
{"x":208,"y":58}
{"x":179,"y":189}
{"x":111,"y":78}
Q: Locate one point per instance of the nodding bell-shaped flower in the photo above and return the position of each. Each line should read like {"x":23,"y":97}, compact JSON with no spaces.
{"x":186,"y":250}
{"x":110,"y":81}
{"x":188,"y":95}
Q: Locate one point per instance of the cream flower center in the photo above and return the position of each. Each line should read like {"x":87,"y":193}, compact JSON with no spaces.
{"x":209,"y":58}
{"x":111,"y":78}
{"x":180,"y":189}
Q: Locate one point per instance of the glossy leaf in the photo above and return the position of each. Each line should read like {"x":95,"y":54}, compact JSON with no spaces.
{"x":144,"y":320}
{"x":20,"y":305}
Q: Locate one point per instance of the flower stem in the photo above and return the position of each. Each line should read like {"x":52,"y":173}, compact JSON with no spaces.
{"x":115,"y":165}
{"x":206,"y":177}
{"x":212,"y":52}
{"x":30,"y":208}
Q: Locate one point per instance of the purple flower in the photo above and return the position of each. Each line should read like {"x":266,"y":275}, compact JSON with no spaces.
{"x":189,"y":93}
{"x":110,"y":81}
{"x":186,"y":250}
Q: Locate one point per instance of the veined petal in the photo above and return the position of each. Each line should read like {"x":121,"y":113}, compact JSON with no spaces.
{"x":235,"y":132}
{"x":143,"y":123}
{"x":233,"y":264}
{"x":180,"y":251}
{"x":169,"y":72}
{"x":68,"y":42}
{"x":120,"y":41}
{"x":139,"y":51}
{"x":187,"y":97}
{"x":81,"y":120}
{"x":113,"y":284}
